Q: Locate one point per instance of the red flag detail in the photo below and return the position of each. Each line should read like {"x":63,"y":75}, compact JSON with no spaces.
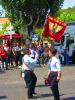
{"x":53,"y":29}
{"x":46,"y":29}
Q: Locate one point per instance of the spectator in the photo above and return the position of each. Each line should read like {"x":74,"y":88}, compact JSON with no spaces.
{"x":3,"y":57}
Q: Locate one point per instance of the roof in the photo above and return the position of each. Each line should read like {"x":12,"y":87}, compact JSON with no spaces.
{"x":4,"y":20}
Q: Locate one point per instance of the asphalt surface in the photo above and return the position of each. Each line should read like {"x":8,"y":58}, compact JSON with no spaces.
{"x":12,"y":86}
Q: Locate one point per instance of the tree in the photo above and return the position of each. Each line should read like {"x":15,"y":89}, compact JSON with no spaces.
{"x":67,"y":15}
{"x":29,"y":13}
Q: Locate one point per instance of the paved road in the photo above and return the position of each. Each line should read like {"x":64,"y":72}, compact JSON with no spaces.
{"x":12,"y":87}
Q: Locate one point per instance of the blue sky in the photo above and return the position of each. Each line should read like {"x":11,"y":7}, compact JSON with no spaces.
{"x":68,"y":3}
{"x":0,"y":7}
{"x":3,"y":13}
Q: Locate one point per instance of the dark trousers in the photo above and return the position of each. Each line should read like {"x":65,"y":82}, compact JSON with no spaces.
{"x":45,"y":58}
{"x":54,"y":85}
{"x":31,"y":80}
{"x":6,"y":64}
{"x":17,"y":59}
{"x":21,"y":56}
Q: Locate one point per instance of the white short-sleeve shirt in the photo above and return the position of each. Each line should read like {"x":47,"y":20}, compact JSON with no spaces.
{"x":54,"y":64}
{"x":27,"y":60}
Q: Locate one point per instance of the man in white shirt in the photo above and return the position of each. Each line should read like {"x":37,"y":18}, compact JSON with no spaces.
{"x":28,"y":68}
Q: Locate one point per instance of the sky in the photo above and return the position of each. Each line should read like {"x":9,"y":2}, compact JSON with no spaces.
{"x":0,"y":7}
{"x":2,"y":11}
{"x":68,"y":3}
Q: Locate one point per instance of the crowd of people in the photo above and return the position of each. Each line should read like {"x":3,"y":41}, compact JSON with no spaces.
{"x":12,"y":55}
{"x":66,"y":54}
{"x":26,"y":56}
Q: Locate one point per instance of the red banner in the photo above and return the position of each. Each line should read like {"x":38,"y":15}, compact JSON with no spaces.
{"x":53,"y":29}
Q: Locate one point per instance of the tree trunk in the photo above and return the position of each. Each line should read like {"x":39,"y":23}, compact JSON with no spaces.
{"x":24,"y":31}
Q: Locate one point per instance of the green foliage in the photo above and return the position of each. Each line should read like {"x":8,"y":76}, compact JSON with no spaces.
{"x":17,"y":26}
{"x":38,"y":31}
{"x":2,"y":31}
{"x":4,"y":26}
{"x":67,"y":15}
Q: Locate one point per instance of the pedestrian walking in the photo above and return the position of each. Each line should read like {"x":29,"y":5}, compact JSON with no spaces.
{"x":54,"y":72}
{"x":29,"y":75}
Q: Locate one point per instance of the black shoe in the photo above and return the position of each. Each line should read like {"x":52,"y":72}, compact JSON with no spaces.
{"x":29,"y":97}
{"x":7,"y":68}
{"x":35,"y":93}
{"x":26,"y":86}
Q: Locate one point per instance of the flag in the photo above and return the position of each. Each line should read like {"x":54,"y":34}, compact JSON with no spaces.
{"x":53,"y":29}
{"x":46,"y":29}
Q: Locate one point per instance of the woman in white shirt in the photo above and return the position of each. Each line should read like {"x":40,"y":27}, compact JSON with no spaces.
{"x":54,"y":72}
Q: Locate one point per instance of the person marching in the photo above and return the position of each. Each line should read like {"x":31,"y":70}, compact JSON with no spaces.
{"x":30,"y":78}
{"x":54,"y":72}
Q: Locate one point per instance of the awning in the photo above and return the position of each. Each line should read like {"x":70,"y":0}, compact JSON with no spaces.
{"x":7,"y":36}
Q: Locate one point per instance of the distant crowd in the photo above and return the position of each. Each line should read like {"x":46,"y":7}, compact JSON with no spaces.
{"x":12,"y":55}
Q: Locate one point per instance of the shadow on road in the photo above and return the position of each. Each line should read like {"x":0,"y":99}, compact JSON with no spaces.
{"x":2,"y":72}
{"x":3,"y":97}
{"x":43,"y":95}
{"x":69,"y":98}
{"x":41,"y":85}
{"x":47,"y":95}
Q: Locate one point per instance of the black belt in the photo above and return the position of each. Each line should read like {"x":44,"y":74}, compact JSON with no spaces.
{"x":28,"y":71}
{"x":54,"y":72}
